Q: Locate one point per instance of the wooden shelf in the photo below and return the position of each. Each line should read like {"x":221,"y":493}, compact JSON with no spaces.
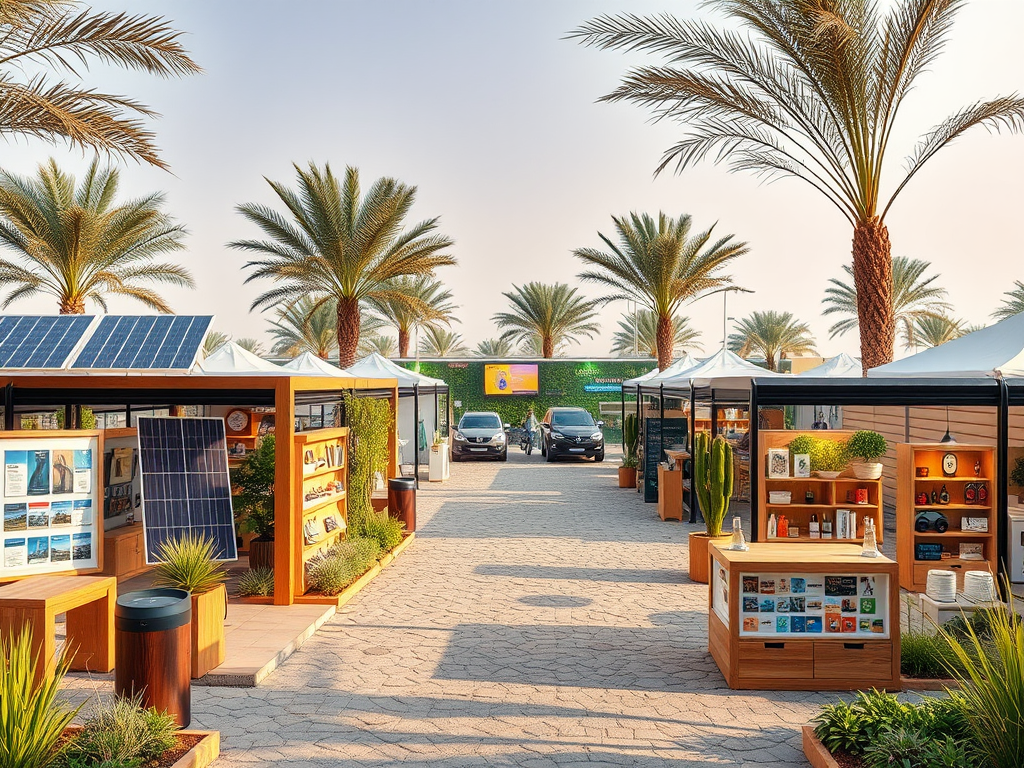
{"x":327,"y":538}
{"x":959,"y":507}
{"x":324,"y":471}
{"x":799,"y":480}
{"x":323,"y":502}
{"x":845,"y":505}
{"x":953,"y":534}
{"x":316,"y":511}
{"x":941,"y":479}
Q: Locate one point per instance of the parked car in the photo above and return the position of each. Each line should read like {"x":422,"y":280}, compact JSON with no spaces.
{"x":571,"y":432}
{"x":480,"y":434}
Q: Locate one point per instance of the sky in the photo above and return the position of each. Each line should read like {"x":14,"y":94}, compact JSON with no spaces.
{"x":493,"y":116}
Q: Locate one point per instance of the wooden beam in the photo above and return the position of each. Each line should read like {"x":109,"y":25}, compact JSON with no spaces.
{"x":287,"y":542}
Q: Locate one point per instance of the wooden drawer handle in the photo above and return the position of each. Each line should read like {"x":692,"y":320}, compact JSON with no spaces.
{"x":956,"y":566}
{"x":774,"y":645}
{"x":854,"y":646}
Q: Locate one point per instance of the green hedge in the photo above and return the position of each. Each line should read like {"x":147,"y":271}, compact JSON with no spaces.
{"x":561,"y":382}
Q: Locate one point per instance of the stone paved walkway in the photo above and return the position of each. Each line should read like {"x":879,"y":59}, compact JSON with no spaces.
{"x":542,"y":618}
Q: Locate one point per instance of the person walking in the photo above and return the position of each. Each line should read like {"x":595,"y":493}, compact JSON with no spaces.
{"x":529,"y":429}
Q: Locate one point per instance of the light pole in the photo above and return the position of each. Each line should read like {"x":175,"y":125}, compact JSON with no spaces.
{"x":725,"y":308}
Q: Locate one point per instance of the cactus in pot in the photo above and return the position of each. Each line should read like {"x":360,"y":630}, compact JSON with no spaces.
{"x":630,"y":440}
{"x":712,"y":479}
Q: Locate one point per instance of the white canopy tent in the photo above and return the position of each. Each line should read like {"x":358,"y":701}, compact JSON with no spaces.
{"x":993,"y":352}
{"x":229,"y":359}
{"x":722,"y":369}
{"x":631,"y":384}
{"x":841,"y":366}
{"x":307,"y":362}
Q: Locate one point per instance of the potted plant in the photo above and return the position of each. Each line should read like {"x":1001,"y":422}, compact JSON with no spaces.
{"x":870,"y":447}
{"x":255,"y":501}
{"x":1017,"y":478}
{"x":712,"y":480}
{"x":630,"y":442}
{"x":828,"y":458}
{"x":188,"y":563}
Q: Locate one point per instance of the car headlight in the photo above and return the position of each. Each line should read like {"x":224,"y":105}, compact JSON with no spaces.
{"x":558,"y":436}
{"x":459,"y":438}
{"x":498,"y":438}
{"x":596,"y":436}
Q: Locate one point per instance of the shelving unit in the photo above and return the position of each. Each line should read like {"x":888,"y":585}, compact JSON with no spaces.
{"x":829,"y":495}
{"x":910,"y":456}
{"x":315,"y":511}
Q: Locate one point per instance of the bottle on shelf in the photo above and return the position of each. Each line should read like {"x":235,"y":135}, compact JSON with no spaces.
{"x":809,"y":496}
{"x":826,"y":527}
{"x":870,"y":545}
{"x":783,"y":527}
{"x":813,"y":529}
{"x":773,"y":526}
{"x":943,"y":496}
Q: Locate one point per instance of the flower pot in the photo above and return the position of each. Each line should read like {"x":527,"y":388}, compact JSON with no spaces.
{"x":827,"y":475}
{"x":867,"y":470}
{"x":208,"y":646}
{"x":261,"y":553}
{"x":627,"y":477}
{"x":700,"y":564}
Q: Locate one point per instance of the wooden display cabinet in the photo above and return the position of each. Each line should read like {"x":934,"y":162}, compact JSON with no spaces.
{"x":829,"y":495}
{"x":768,"y":650}
{"x":124,"y":552}
{"x":308,"y":478}
{"x":910,"y":456}
{"x":670,"y":493}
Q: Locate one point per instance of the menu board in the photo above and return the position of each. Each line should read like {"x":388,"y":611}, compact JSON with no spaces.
{"x":658,"y":435}
{"x":50,"y":500}
{"x":800,"y":604}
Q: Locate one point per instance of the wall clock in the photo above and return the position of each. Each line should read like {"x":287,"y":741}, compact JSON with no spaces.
{"x":949,"y":464}
{"x":237,"y":421}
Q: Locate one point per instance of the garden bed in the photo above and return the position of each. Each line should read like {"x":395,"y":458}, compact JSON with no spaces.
{"x":192,"y":749}
{"x":355,"y":587}
{"x":819,"y":757}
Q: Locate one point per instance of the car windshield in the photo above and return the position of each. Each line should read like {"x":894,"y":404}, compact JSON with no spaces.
{"x":480,"y":421}
{"x":572,"y":419}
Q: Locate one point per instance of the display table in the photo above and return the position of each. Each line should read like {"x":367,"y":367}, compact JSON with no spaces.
{"x":805,"y":617}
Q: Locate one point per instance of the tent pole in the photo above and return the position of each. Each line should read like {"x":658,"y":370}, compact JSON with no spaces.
{"x":622,"y":423}
{"x":416,"y":431}
{"x":999,"y":484}
{"x":693,"y":434}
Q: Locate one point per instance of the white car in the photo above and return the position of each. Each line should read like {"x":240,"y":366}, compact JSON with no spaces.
{"x":480,"y":434}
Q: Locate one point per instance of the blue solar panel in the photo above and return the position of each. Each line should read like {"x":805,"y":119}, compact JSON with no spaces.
{"x":40,"y":342}
{"x":185,"y":483}
{"x":138,"y":342}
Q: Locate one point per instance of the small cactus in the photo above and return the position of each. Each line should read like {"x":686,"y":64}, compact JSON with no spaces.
{"x":712,"y":479}
{"x":630,"y":439}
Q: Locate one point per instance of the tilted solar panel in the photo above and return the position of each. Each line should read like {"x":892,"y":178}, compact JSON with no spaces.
{"x":185,"y":483}
{"x":144,"y":342}
{"x":43,"y":342}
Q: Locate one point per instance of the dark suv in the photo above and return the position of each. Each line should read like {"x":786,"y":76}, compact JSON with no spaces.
{"x":571,"y":432}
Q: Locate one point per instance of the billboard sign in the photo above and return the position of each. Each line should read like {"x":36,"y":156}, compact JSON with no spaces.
{"x":507,"y":379}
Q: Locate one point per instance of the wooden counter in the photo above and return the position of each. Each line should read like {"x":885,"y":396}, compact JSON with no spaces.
{"x":804,"y":617}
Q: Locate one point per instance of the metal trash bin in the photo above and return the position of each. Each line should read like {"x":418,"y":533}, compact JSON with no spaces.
{"x":153,"y":650}
{"x":402,"y":500}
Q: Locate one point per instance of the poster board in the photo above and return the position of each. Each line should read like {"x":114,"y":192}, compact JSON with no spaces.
{"x":660,"y":434}
{"x":52,"y":502}
{"x":122,"y":481}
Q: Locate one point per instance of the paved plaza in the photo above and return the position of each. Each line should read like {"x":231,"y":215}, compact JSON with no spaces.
{"x":542,"y":618}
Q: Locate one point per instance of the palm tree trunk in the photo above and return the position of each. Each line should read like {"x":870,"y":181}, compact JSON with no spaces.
{"x":872,"y":277}
{"x":72,"y":306}
{"x":348,"y":331}
{"x":547,"y":347}
{"x":403,"y":342}
{"x":664,"y":337}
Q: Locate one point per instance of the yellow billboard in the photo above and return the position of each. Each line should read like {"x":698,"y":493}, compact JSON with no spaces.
{"x":507,"y":379}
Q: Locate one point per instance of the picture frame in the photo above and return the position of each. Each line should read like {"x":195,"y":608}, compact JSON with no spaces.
{"x":778,"y":463}
{"x":801,"y":465}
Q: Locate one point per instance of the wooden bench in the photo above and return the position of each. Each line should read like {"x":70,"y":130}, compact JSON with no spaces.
{"x":88,"y":602}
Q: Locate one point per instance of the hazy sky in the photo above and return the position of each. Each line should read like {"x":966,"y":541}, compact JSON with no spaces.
{"x":493,"y":115}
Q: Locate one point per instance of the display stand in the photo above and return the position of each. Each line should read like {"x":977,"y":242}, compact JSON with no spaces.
{"x":830,"y":495}
{"x":670,"y":492}
{"x":124,"y":548}
{"x":963,"y":509}
{"x":804,"y":617}
{"x":317,"y":532}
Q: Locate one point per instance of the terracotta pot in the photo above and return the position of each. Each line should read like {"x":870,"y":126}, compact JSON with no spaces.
{"x":627,"y":477}
{"x":261,"y":553}
{"x":700,"y":562}
{"x":208,"y":646}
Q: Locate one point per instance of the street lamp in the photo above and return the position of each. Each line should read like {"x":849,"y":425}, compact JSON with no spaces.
{"x":725,"y":310}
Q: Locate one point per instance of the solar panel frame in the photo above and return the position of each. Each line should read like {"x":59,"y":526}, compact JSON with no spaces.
{"x":145,"y":342}
{"x":185,"y":483}
{"x":41,"y":342}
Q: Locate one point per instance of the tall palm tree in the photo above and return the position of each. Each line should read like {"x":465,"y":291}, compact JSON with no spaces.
{"x":638,"y":336}
{"x":1014,"y":304}
{"x":309,"y":326}
{"x":214,"y":341}
{"x":554,"y":312}
{"x":913,"y":296}
{"x":935,"y":330}
{"x":255,"y":346}
{"x":661,"y":265}
{"x":772,"y":335}
{"x":494,"y":348}
{"x":533,"y":346}
{"x":341,"y":246}
{"x":66,"y":36}
{"x":810,"y":89}
{"x":433,"y":306}
{"x":383,"y":345}
{"x":440,"y":342}
{"x":77,"y":243}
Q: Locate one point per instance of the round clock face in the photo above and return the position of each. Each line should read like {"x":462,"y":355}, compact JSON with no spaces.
{"x":237,"y":421}
{"x":949,"y":464}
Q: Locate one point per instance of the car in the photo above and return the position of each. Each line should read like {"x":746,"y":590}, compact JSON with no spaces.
{"x":480,"y":435}
{"x":571,"y":432}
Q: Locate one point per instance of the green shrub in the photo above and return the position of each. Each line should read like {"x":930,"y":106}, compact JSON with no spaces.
{"x":801,"y":444}
{"x":188,"y":564}
{"x":341,"y":565}
{"x":32,"y":717}
{"x":829,"y":456}
{"x":255,"y":478}
{"x":386,"y":530}
{"x":122,"y":733}
{"x":924,"y":655}
{"x":256,"y":582}
{"x":866,"y":444}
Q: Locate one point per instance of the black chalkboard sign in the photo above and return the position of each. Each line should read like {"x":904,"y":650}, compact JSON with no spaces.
{"x":658,"y":435}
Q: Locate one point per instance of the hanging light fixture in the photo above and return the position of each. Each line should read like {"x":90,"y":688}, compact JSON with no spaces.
{"x":947,"y":438}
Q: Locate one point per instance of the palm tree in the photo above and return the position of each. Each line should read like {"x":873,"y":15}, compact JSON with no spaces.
{"x":913,"y":297}
{"x":1013,"y":305}
{"x":385,"y":346}
{"x":533,"y":346}
{"x":433,"y":306}
{"x":555,"y":313}
{"x":659,"y":264}
{"x":309,"y":326}
{"x":63,"y":36}
{"x":494,"y":348}
{"x":76,"y":243}
{"x":341,"y":246}
{"x":810,"y":89}
{"x":253,"y":346}
{"x":214,"y":341}
{"x":638,"y":336}
{"x":772,"y":335}
{"x":440,"y":342}
{"x":935,"y":330}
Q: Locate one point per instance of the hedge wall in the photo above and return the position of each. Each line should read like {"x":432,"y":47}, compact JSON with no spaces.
{"x":561,"y":382}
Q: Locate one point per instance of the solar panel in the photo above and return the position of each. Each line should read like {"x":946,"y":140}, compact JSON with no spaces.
{"x":28,"y":341}
{"x":185,"y":483}
{"x":141,"y":342}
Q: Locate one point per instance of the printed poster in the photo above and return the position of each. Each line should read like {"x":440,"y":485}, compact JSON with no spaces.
{"x":60,"y":513}
{"x":83,"y":471}
{"x":15,"y":553}
{"x":15,"y":473}
{"x":82,"y":549}
{"x":60,"y":548}
{"x":38,"y":550}
{"x":15,"y":517}
{"x":82,"y":513}
{"x":38,"y":515}
{"x":63,"y":471}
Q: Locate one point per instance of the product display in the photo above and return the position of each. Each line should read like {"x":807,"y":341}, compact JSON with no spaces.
{"x":949,"y":464}
{"x":931,"y":521}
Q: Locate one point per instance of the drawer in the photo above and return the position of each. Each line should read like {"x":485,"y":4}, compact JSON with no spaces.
{"x":775,"y":659}
{"x":854,"y":660}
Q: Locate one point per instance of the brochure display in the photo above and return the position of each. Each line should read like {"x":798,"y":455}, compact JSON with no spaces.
{"x":51,"y":500}
{"x":804,"y":617}
{"x":320,"y":459}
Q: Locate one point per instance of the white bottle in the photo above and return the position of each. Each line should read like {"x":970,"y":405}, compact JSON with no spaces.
{"x":813,"y":529}
{"x":773,"y":526}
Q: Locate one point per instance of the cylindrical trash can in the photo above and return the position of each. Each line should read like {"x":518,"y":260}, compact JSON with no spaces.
{"x":402,"y":500}
{"x":153,"y":650}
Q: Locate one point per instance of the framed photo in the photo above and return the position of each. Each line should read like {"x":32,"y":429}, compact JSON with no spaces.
{"x":778,"y":462}
{"x":801,"y":465}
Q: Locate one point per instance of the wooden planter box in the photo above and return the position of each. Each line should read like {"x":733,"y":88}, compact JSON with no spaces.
{"x":201,"y":755}
{"x":815,"y":751}
{"x":627,"y":477}
{"x":208,"y":647}
{"x":261,"y":553}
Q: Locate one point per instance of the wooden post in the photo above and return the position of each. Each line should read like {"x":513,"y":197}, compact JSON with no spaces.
{"x":287,"y":543}
{"x":393,"y":437}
